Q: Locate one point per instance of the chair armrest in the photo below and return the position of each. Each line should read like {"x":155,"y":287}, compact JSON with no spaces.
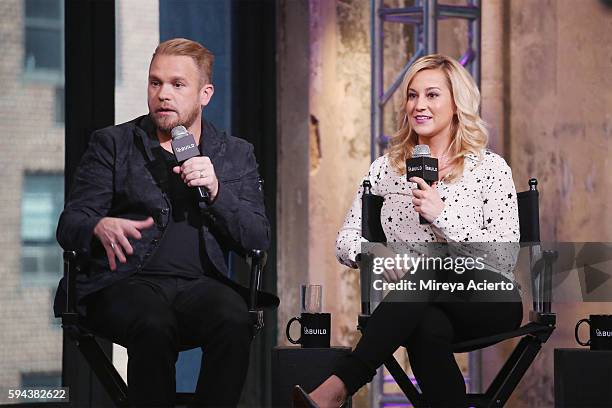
{"x":542,"y":263}
{"x":550,"y":256}
{"x":74,"y":262}
{"x":71,"y":268}
{"x":365,"y":262}
{"x":549,"y":319}
{"x":256,"y":258}
{"x":73,"y":265}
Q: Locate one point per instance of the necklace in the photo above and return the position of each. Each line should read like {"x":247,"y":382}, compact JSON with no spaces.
{"x":443,"y":161}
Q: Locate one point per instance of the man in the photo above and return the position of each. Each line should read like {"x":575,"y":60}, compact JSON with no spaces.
{"x":156,"y":279}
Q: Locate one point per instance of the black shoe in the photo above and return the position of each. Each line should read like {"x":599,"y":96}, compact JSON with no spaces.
{"x":301,"y":399}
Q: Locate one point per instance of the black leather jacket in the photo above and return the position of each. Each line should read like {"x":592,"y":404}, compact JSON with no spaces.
{"x":121,"y":174}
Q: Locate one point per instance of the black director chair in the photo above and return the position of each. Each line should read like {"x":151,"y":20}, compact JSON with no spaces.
{"x":76,"y":329}
{"x":533,"y":334}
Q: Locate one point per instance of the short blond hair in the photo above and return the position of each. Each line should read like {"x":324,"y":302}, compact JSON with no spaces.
{"x":181,"y":46}
{"x":468,"y":131}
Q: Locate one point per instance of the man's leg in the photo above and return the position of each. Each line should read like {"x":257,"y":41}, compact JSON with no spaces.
{"x":214,"y":316}
{"x":136,"y":314}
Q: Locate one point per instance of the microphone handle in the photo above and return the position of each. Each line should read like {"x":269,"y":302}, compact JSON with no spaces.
{"x":203,"y":194}
{"x":186,"y":146}
{"x":422,"y":220}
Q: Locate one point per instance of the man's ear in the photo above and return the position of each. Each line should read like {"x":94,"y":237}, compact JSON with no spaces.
{"x":206,"y":94}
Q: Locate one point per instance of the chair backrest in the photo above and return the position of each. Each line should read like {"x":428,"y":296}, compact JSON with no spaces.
{"x":540,"y":267}
{"x":371,"y":204}
{"x":528,"y":208}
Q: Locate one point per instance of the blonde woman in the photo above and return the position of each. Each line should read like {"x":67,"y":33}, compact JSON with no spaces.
{"x":474,"y":201}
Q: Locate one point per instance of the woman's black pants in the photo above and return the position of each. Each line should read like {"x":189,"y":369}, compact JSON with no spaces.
{"x":428,"y":328}
{"x":155,"y":316}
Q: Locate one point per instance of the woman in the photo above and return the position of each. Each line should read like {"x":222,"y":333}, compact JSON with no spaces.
{"x":474,"y":201}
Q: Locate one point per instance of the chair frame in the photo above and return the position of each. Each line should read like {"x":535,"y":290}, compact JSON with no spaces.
{"x":534,"y":334}
{"x":86,"y":342}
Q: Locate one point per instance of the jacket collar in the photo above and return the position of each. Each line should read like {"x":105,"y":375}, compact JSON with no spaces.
{"x":145,"y":132}
{"x":211,"y":141}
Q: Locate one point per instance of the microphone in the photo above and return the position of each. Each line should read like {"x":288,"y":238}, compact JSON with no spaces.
{"x":422,"y":165}
{"x":184,"y":148}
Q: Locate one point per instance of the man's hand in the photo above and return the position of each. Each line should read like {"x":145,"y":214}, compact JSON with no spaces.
{"x":113,"y":233}
{"x":426,"y":200}
{"x":199,"y":171}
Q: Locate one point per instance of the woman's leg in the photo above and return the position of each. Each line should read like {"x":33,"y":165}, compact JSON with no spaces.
{"x":431,"y":357}
{"x":396,"y":320}
{"x":430,"y":347}
{"x":389,"y":327}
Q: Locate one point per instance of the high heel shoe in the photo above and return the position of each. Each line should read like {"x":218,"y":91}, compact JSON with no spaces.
{"x":301,"y":399}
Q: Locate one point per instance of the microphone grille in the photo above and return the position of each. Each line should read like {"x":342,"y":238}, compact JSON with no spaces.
{"x":178,"y":132}
{"x":421,"y":151}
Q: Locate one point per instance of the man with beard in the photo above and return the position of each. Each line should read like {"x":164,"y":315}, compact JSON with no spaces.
{"x":156,"y":280}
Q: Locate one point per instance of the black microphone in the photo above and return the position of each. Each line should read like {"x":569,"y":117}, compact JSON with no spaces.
{"x":424,"y":166}
{"x":184,"y":148}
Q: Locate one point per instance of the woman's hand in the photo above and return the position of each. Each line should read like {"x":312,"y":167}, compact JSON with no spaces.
{"x":382,"y":252}
{"x":426,"y":200}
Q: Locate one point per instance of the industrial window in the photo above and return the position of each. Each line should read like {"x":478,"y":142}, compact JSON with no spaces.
{"x":42,"y":202}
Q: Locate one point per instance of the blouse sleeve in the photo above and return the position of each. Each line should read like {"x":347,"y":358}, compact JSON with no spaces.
{"x":349,"y":239}
{"x":500,"y":221}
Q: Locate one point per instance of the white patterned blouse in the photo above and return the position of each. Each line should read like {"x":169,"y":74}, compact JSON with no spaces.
{"x":481,"y":206}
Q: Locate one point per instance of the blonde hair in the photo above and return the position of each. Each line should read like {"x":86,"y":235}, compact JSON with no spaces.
{"x":468,"y":130}
{"x":181,"y":46}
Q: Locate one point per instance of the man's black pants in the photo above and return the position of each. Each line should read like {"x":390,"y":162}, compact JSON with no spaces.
{"x":154,"y":316}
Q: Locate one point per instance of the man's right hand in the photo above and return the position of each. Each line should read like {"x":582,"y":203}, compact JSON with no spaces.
{"x":113,"y":233}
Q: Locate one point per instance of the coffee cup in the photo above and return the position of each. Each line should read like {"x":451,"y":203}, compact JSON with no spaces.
{"x":600,"y":330}
{"x":315,"y":330}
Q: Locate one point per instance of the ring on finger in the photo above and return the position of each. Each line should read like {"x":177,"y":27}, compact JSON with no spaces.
{"x":112,"y":245}
{"x":201,"y":173}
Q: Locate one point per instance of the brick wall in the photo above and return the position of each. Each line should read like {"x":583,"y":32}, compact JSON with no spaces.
{"x":34,"y":142}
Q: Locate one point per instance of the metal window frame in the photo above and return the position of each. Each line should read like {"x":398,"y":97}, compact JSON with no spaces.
{"x":52,"y":76}
{"x":424,"y":17}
